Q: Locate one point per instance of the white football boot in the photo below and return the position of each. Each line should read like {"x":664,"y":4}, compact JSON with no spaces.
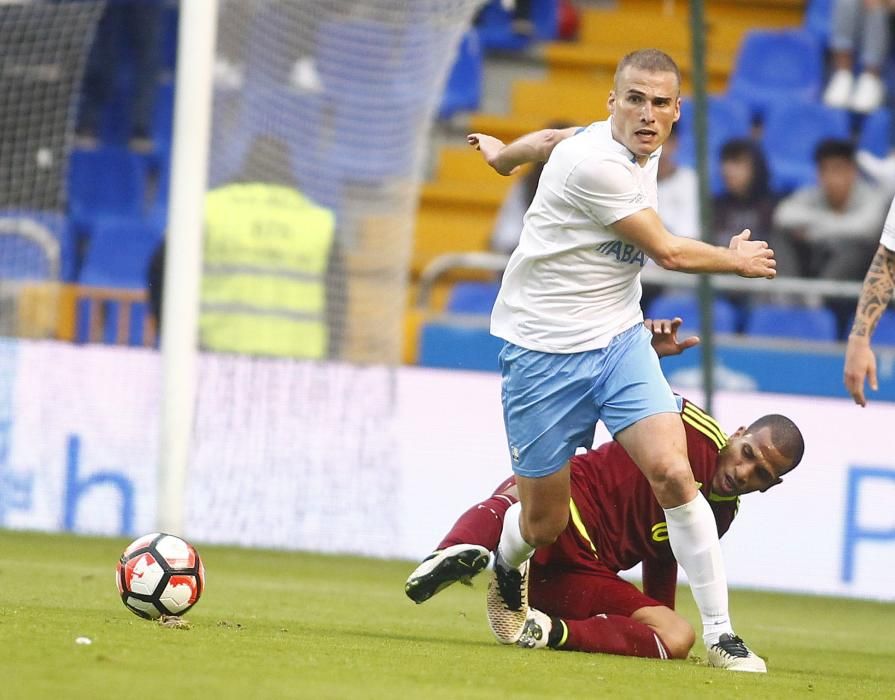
{"x":507,"y":601}
{"x":732,"y":654}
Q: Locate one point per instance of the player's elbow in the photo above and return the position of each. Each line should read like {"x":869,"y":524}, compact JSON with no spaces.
{"x":548,"y":141}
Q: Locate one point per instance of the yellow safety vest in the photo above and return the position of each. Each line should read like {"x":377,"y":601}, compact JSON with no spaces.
{"x":263,"y":285}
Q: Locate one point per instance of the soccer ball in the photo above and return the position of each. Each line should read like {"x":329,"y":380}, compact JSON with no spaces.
{"x":160,"y":574}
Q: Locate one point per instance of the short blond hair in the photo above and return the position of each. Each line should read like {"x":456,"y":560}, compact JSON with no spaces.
{"x":650,"y":60}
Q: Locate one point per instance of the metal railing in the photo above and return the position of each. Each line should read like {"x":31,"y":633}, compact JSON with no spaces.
{"x":496,"y":262}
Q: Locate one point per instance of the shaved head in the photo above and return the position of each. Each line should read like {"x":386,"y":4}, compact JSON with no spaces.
{"x":651,"y":60}
{"x":785,"y":435}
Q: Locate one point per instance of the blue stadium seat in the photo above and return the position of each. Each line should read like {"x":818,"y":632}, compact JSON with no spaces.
{"x":686,"y":306}
{"x":885,"y":330}
{"x":791,"y":133}
{"x":818,"y":19}
{"x":793,"y":322}
{"x":473,"y":297}
{"x":463,"y":91}
{"x":23,"y":258}
{"x":163,"y":115}
{"x":119,"y":251}
{"x":108,"y":180}
{"x":458,"y":347}
{"x":775,"y":67}
{"x":727,"y":119}
{"x":494,"y":24}
{"x":875,"y":133}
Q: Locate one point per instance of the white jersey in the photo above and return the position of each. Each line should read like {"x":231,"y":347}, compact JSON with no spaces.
{"x":888,"y":236}
{"x":573,"y":283}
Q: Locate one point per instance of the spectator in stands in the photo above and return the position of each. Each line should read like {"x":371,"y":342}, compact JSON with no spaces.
{"x":125,"y":24}
{"x":508,"y":225}
{"x":678,"y":190}
{"x":831,"y":230}
{"x":272,"y":281}
{"x":859,"y":35}
{"x":746,"y":200}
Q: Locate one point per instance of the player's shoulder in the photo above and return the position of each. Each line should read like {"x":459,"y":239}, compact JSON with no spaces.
{"x":702,"y":426}
{"x":593,"y":143}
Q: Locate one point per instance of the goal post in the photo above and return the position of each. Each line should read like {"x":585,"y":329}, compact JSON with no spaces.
{"x":183,"y":252}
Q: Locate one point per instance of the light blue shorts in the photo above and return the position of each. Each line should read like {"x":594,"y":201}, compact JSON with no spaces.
{"x":552,"y":402}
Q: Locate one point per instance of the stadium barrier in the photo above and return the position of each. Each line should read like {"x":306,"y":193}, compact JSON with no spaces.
{"x":380,"y":461}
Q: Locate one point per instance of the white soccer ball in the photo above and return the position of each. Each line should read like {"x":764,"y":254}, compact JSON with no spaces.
{"x":160,"y":574}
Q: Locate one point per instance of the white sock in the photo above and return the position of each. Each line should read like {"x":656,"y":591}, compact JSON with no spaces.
{"x":693,"y":535}
{"x":513,"y":548}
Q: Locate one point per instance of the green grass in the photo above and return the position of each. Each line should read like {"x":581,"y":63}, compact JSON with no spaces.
{"x":289,"y":625}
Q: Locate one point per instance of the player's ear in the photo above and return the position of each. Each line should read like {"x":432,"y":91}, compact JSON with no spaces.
{"x":610,"y":103}
{"x":778,"y":481}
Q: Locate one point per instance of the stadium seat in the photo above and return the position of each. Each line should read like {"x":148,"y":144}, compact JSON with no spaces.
{"x":108,"y":180}
{"x":687,"y":307}
{"x":458,"y":347}
{"x":792,"y":322}
{"x":818,"y":19}
{"x":791,"y":133}
{"x":727,"y":119}
{"x":495,"y":25}
{"x":26,"y":257}
{"x":875,"y":133}
{"x":163,"y":115}
{"x":775,"y":67}
{"x":119,"y":251}
{"x":463,"y":91}
{"x":473,"y":297}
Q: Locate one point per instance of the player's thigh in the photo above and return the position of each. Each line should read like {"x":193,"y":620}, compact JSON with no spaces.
{"x":580,"y":593}
{"x":631,"y":385}
{"x":548,"y":411}
{"x":658,"y":446}
{"x":675,"y":632}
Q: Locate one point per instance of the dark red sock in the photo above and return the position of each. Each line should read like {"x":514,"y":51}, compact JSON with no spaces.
{"x":614,"y":634}
{"x":481,"y":524}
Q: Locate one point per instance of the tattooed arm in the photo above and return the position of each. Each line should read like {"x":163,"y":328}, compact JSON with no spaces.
{"x":860,"y":364}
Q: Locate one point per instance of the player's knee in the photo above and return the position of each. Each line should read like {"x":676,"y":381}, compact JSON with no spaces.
{"x":672,"y":482}
{"x":542,"y":529}
{"x":678,"y":638}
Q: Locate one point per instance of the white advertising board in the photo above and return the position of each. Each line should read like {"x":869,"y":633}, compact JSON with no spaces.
{"x":381,"y":461}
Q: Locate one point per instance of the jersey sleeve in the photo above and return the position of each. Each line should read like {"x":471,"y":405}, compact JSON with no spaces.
{"x":605,"y":189}
{"x":887,"y":239}
{"x":660,"y":580}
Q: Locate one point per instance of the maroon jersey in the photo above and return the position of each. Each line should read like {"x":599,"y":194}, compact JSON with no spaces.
{"x":617,"y":517}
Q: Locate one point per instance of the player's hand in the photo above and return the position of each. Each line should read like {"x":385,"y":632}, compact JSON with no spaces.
{"x":860,"y":365}
{"x":665,"y":340}
{"x":755,"y":258}
{"x":490,"y":148}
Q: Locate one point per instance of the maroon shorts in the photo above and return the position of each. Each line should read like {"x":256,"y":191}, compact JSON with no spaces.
{"x":567,"y":580}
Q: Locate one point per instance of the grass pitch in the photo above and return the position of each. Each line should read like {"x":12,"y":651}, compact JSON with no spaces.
{"x":288,"y":625}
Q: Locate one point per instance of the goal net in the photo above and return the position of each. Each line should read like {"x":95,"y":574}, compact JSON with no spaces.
{"x":45,"y":46}
{"x":320,"y":121}
{"x":335,"y":100}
